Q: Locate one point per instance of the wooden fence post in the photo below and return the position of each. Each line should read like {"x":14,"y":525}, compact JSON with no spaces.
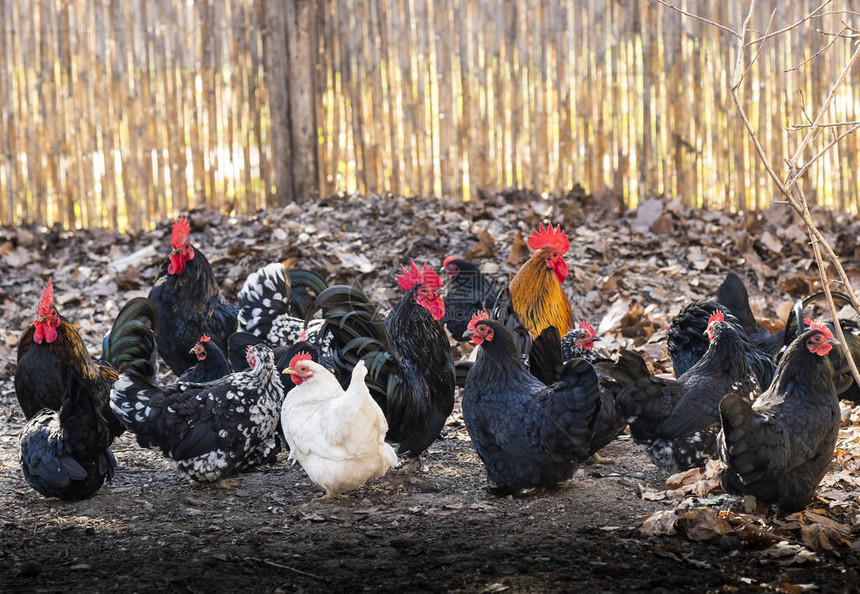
{"x":291,"y":56}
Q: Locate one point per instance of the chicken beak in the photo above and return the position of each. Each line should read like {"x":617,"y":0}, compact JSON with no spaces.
{"x":468,"y":334}
{"x":596,"y":339}
{"x":289,"y":371}
{"x":442,"y":292}
{"x":191,"y":352}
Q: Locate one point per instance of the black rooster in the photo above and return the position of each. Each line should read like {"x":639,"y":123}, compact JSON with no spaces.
{"x":411,"y":374}
{"x":527,"y":434}
{"x":469,"y":292}
{"x":209,"y":430}
{"x":189,"y":303}
{"x":67,"y":454}
{"x":780,"y":447}
{"x":677,"y":419}
{"x":64,"y":392}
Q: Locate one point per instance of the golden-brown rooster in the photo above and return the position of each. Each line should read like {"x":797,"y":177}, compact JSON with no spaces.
{"x":535,"y":300}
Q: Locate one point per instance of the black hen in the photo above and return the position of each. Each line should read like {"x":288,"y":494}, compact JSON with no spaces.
{"x":687,"y":340}
{"x":527,"y":434}
{"x":211,"y":363}
{"x":66,"y":454}
{"x":677,"y":419}
{"x":780,"y":447}
{"x":210,"y":430}
{"x":411,"y":374}
{"x":189,"y":303}
{"x":469,"y":292}
{"x":547,"y":357}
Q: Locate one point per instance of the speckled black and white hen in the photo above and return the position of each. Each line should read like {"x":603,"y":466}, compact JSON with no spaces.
{"x":273,"y":303}
{"x":678,"y":419}
{"x":209,"y":430}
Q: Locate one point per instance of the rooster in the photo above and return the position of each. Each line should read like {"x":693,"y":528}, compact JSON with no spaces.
{"x":534,"y":299}
{"x":677,"y":419}
{"x":64,"y":394}
{"x":411,"y":373}
{"x":211,"y":363}
{"x":469,"y":292}
{"x":66,"y":453}
{"x":189,"y":302}
{"x":210,"y":430}
{"x":337,"y":436}
{"x":780,"y":447}
{"x":526,"y":433}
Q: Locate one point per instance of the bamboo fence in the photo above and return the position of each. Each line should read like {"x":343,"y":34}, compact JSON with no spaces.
{"x":119,"y":114}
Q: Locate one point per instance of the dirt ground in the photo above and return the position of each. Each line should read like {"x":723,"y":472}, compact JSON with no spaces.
{"x":437,"y":529}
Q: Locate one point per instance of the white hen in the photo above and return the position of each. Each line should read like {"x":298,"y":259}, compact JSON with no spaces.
{"x":337,"y":436}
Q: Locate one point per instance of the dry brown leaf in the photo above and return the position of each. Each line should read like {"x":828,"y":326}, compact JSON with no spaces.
{"x":485,"y":248}
{"x":703,"y":524}
{"x":660,"y":523}
{"x":519,"y":251}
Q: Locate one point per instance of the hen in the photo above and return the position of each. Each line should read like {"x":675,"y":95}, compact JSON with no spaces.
{"x":780,"y":447}
{"x":411,"y":373}
{"x":527,"y":434}
{"x":65,"y":445}
{"x":546,"y":362}
{"x":211,"y":363}
{"x":469,"y":292}
{"x":188,"y":302}
{"x":209,"y":430}
{"x":534,"y":299}
{"x":677,"y":419}
{"x":337,"y":436}
{"x":687,"y":340}
{"x":273,"y":303}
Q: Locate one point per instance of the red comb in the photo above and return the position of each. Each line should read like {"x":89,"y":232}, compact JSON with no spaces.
{"x":817,"y":325}
{"x":717,"y":316}
{"x":412,"y":277}
{"x":807,"y":322}
{"x":448,"y":260}
{"x":47,"y":302}
{"x":588,"y":327}
{"x":481,"y":315}
{"x":303,"y":337}
{"x":205,"y":338}
{"x":549,"y":237}
{"x":181,"y":232}
{"x":303,"y":356}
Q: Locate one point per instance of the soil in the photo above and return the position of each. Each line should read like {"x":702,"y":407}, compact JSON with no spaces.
{"x":437,"y":528}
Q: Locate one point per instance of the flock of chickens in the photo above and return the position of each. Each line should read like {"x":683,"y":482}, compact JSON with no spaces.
{"x":321,"y":371}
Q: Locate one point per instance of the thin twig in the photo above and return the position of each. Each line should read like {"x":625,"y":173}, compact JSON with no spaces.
{"x":794,"y":127}
{"x":825,"y":105}
{"x":820,"y":153}
{"x":698,"y":18}
{"x":786,"y":29}
{"x":760,"y":48}
{"x":816,"y":54}
{"x":287,"y":567}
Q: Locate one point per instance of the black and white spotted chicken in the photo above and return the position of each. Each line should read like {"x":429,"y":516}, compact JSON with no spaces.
{"x":208,"y":430}
{"x":272,"y":306}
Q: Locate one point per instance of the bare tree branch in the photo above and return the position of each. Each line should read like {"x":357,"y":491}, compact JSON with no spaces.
{"x":698,"y":18}
{"x":786,"y":29}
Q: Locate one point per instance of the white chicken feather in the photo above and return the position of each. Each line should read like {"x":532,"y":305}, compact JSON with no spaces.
{"x":337,"y":436}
